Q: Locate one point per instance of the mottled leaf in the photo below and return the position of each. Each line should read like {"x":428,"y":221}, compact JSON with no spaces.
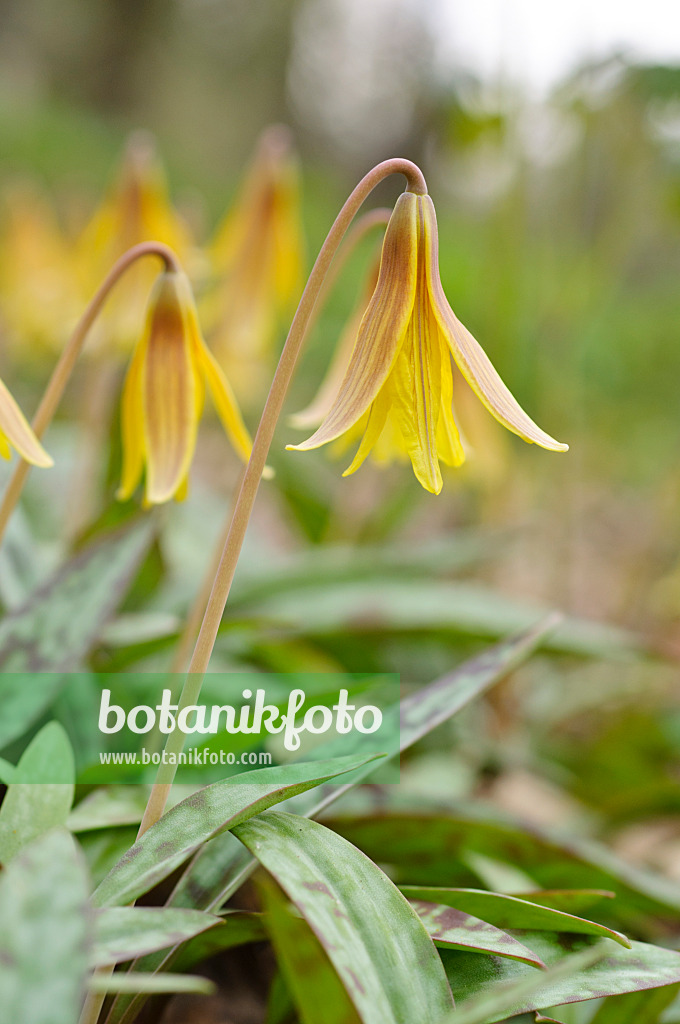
{"x":620,"y":971}
{"x":45,"y":929}
{"x":510,"y":911}
{"x":60,"y":623}
{"x":122,"y":933}
{"x":452,"y":929}
{"x":235,"y":928}
{"x":374,"y":939}
{"x":491,"y":1001}
{"x":205,"y":814}
{"x":425,"y":848}
{"x":32,"y":807}
{"x":317,"y":991}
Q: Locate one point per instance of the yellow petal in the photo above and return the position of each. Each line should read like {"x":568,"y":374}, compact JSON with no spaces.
{"x":468,"y":354}
{"x":323,"y":402}
{"x":416,"y":384}
{"x":382,"y":329}
{"x":449,"y":445}
{"x":5,"y":450}
{"x":18,"y":433}
{"x":132,"y":425}
{"x":168,"y":394}
{"x":376,"y":421}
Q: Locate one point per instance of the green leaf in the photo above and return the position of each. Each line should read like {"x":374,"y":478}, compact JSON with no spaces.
{"x":317,"y":991}
{"x":431,"y":606}
{"x":60,"y":624}
{"x":425,"y":848}
{"x":494,"y":998}
{"x":123,"y":933}
{"x":452,"y":929}
{"x":636,"y":1007}
{"x":218,"y":869}
{"x":152,"y":984}
{"x":205,"y":814}
{"x":31,"y":808}
{"x":621,"y":970}
{"x":45,"y":929}
{"x":378,"y":946}
{"x":510,"y":911}
{"x":235,"y":928}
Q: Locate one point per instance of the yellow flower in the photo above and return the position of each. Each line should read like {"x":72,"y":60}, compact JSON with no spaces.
{"x":257,"y":258}
{"x":399,"y":383}
{"x":163,"y":396}
{"x":15,"y":432}
{"x":40,"y":299}
{"x":136,"y":209}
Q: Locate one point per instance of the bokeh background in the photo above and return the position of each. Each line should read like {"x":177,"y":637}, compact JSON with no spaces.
{"x":551,"y":145}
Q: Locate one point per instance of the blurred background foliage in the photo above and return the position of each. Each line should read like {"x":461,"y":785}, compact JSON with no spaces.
{"x":559,"y":222}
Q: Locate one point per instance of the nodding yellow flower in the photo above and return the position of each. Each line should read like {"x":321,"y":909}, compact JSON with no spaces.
{"x":16,"y":433}
{"x":136,"y":209}
{"x":399,"y":382}
{"x":257,"y":260}
{"x":164,"y":392}
{"x":40,"y":298}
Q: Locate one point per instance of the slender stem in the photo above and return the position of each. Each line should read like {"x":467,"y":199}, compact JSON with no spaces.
{"x":369,"y":221}
{"x":258,"y":458}
{"x":64,"y":368}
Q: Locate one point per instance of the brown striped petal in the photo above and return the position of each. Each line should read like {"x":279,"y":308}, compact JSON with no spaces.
{"x":168,"y":394}
{"x":382,"y":329}
{"x":14,"y":427}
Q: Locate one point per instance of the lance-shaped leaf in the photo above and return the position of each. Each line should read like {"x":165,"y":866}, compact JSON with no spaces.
{"x":235,"y":928}
{"x":309,"y":976}
{"x":510,"y":911}
{"x":60,"y":624}
{"x":122,"y":933}
{"x":201,"y":817}
{"x":493,"y":998}
{"x":32,"y":805}
{"x":222,"y":865}
{"x":452,"y":929}
{"x":636,"y":1007}
{"x":425,"y":848}
{"x":151,"y":984}
{"x":45,"y":932}
{"x":373,"y":937}
{"x":620,"y":971}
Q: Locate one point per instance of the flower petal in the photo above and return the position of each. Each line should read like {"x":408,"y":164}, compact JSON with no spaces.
{"x":382,"y":329}
{"x":376,"y":421}
{"x":416,"y":382}
{"x":15,"y":428}
{"x":169,"y":394}
{"x":449,"y":445}
{"x":320,"y":405}
{"x":470,"y":357}
{"x":132,"y":425}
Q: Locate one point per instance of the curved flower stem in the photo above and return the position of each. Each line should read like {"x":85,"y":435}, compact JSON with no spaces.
{"x":253,"y":472}
{"x":64,"y":368}
{"x":370,"y":220}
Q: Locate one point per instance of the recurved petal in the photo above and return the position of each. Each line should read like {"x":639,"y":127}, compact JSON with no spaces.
{"x":168,"y":393}
{"x":14,"y":427}
{"x":225,"y":404}
{"x":470,"y":357}
{"x":382,"y":329}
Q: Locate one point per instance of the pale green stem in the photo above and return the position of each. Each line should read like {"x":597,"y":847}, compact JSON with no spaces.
{"x":258,"y":458}
{"x":64,"y":368}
